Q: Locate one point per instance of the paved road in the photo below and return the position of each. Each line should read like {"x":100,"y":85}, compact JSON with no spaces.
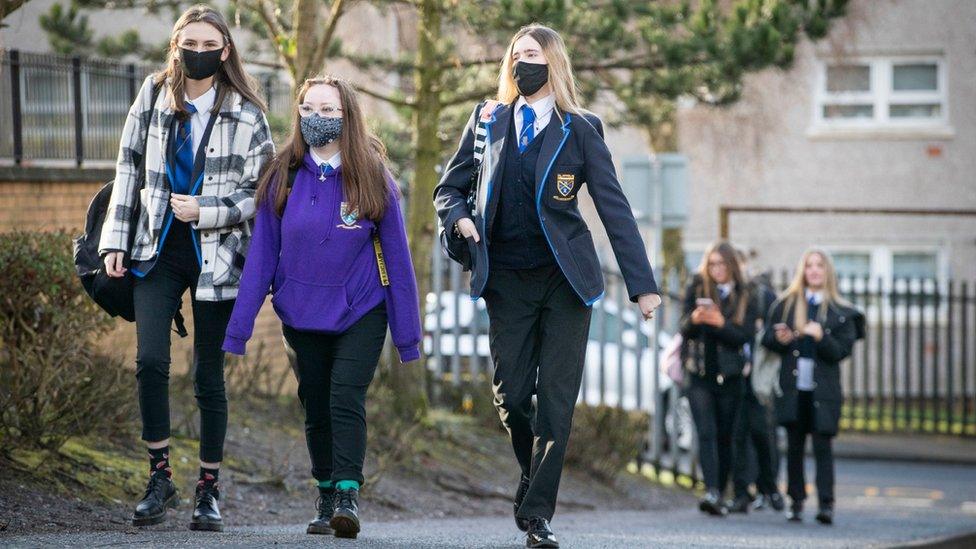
{"x":880,"y":504}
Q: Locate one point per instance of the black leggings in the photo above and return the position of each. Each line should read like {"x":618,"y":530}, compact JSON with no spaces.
{"x":334,"y":371}
{"x":157,"y":298}
{"x":714,"y":408}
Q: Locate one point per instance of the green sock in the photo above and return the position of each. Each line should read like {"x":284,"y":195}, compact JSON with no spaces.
{"x":325,"y":484}
{"x":347,"y":484}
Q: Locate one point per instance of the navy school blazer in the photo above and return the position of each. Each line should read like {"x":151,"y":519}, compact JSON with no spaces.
{"x":573,"y":153}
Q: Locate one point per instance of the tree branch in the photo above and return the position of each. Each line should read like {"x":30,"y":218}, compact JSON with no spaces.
{"x":275,"y":31}
{"x":318,"y":58}
{"x":476,"y":95}
{"x":384,"y":97}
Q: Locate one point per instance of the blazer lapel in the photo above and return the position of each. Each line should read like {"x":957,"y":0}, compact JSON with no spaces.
{"x":552,"y":140}
{"x":498,"y":129}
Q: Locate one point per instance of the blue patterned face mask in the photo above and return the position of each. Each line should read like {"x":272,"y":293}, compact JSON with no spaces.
{"x":319,"y":131}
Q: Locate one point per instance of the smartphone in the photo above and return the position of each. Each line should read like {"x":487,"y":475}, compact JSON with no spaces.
{"x":704,"y":302}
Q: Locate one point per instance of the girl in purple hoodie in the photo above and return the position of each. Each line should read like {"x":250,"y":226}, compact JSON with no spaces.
{"x":329,"y":243}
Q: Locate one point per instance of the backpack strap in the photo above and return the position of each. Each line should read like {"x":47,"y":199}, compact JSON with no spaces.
{"x":292,"y":174}
{"x":485,"y":115}
{"x":179,"y":324}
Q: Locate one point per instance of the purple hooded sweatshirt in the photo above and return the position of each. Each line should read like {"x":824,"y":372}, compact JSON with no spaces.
{"x":319,"y":262}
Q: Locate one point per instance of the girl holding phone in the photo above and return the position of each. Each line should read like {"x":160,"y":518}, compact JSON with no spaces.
{"x":544,"y":272}
{"x":206,"y":141}
{"x":719,"y":320}
{"x":330,"y":244}
{"x":813,"y":329}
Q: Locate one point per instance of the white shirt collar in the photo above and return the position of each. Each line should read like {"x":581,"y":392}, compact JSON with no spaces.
{"x":205,"y":102}
{"x":726,"y":289}
{"x":335,"y":161}
{"x":542,"y":107}
{"x":816,"y":297}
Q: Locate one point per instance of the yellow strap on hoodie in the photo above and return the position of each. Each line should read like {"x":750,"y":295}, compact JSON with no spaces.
{"x":380,"y":262}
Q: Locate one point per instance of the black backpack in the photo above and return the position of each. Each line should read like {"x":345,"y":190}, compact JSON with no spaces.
{"x":113,"y":295}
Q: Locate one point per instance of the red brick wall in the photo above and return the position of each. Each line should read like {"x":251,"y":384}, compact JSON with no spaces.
{"x":50,"y":199}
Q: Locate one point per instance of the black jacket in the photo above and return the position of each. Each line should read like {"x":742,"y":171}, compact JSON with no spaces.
{"x":839,"y":333}
{"x":573,"y":153}
{"x":715,"y":351}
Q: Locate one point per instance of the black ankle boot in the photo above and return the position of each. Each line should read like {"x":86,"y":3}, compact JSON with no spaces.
{"x":324,"y":506}
{"x":206,"y":514}
{"x":540,"y":534}
{"x":521,"y":523}
{"x":161,"y":494}
{"x":345,"y":513}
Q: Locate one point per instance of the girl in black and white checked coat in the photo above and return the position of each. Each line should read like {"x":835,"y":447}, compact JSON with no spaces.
{"x":203,"y":141}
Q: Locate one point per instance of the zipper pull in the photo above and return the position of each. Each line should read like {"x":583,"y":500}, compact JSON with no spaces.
{"x":313,"y":199}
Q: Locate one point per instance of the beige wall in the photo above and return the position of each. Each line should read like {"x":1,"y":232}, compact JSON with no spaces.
{"x":762,"y":150}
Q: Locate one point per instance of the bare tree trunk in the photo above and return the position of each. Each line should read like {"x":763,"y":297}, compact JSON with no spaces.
{"x":410,"y":383}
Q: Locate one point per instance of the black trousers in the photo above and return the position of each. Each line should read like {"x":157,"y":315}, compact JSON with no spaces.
{"x":714,"y":408}
{"x":538,"y":328}
{"x":157,"y":298}
{"x":823,"y":454}
{"x":334,"y":371}
{"x":754,"y":456}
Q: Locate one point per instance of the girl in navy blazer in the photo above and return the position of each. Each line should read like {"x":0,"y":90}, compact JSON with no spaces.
{"x":533,"y":258}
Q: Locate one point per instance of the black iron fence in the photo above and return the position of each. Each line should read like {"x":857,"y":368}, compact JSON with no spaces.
{"x":914,"y":372}
{"x":64,"y":109}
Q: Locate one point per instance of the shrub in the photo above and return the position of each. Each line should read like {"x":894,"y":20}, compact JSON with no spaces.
{"x":605,"y":439}
{"x":53,"y":383}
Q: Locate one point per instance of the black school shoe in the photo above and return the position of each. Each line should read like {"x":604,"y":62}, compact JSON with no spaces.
{"x":345,"y":513}
{"x":826,"y":515}
{"x":206,"y":514}
{"x":324,"y":505}
{"x":711,"y":503}
{"x":795,"y":514}
{"x":521,"y":523}
{"x":540,"y":534}
{"x":740,"y":504}
{"x":161,"y":494}
{"x":776,"y":501}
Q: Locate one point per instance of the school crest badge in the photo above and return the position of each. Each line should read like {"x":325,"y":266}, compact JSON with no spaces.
{"x":565,"y":183}
{"x":348,"y":218}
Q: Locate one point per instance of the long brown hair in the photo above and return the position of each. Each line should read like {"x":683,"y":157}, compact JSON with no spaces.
{"x":709,"y":288}
{"x":231,"y":75}
{"x":363,"y":156}
{"x":561,"y":79}
{"x":795,"y":294}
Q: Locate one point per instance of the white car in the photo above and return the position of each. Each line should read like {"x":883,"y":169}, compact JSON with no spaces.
{"x":618,"y":340}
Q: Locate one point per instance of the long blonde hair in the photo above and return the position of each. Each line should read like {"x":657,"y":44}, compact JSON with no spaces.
{"x":795,"y":294}
{"x":564,"y":85}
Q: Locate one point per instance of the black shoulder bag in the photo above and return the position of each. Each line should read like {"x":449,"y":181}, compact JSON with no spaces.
{"x":113,"y":295}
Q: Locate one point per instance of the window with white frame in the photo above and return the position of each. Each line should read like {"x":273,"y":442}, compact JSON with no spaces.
{"x":889,"y":263}
{"x":876,"y":92}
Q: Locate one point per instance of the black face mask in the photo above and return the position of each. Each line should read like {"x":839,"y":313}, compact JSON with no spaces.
{"x":530,"y":77}
{"x":198,"y":65}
